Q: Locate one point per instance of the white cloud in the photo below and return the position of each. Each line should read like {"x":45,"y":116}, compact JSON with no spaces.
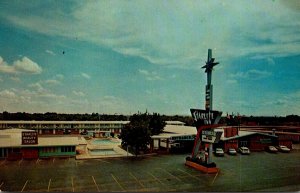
{"x":37,"y":86}
{"x":85,"y":75}
{"x":7,"y":94}
{"x":50,"y":52}
{"x":177,"y":33}
{"x":25,"y":65}
{"x":16,"y":79}
{"x":150,"y":75}
{"x":78,"y":93}
{"x":251,"y":74}
{"x":59,"y":76}
{"x":52,"y":82}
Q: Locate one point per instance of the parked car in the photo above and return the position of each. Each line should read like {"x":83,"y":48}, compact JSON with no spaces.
{"x":231,"y":151}
{"x":244,"y":150}
{"x":283,"y":148}
{"x":219,"y":152}
{"x":271,"y":149}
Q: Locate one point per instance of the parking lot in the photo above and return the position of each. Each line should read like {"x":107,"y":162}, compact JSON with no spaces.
{"x":260,"y":171}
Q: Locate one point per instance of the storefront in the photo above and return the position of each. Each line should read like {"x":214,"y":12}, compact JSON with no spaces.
{"x":26,"y":144}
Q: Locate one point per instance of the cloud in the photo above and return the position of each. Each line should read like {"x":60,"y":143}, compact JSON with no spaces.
{"x":59,"y":76}
{"x":251,"y":74}
{"x":25,"y":65}
{"x":38,"y":87}
{"x":50,"y":52}
{"x":149,"y":75}
{"x":84,"y":75}
{"x":231,"y":81}
{"x":52,"y":82}
{"x":78,"y":93}
{"x":174,"y":34}
{"x":7,"y":94}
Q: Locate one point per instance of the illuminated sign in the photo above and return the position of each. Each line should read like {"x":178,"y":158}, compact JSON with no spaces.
{"x":211,"y":136}
{"x":29,"y":138}
{"x":205,"y":117}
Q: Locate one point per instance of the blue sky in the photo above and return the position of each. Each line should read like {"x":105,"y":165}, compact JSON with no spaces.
{"x":129,"y":56}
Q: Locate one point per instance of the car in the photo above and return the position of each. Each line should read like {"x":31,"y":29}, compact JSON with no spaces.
{"x":283,"y":148}
{"x":231,"y":151}
{"x":271,"y":149}
{"x":219,"y":152}
{"x":244,"y":150}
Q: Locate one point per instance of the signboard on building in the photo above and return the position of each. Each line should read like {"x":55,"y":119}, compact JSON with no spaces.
{"x":29,"y":138}
{"x":211,"y":136}
{"x":205,"y":117}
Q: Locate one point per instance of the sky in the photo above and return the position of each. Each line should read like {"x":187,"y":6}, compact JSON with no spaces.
{"x":124,"y":57}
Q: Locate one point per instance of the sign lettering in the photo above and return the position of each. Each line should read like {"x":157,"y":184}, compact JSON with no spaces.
{"x":29,"y":137}
{"x":205,"y":117}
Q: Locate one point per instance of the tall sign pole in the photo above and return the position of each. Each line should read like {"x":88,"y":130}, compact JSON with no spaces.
{"x":205,"y":121}
{"x":209,"y":91}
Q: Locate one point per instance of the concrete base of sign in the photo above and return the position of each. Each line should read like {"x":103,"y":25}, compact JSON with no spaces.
{"x":202,"y":168}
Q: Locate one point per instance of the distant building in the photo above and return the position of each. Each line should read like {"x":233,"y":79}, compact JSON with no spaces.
{"x":99,"y":128}
{"x":15,"y":145}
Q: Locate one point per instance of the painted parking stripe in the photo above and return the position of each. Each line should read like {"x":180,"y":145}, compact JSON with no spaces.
{"x":72,"y":184}
{"x":1,"y":184}
{"x":53,"y":160}
{"x":96,"y":184}
{"x":24,"y":185}
{"x":214,"y":178}
{"x":20,"y":161}
{"x":37,"y":161}
{"x":156,"y":178}
{"x":137,"y":180}
{"x":172,"y":175}
{"x":49,"y":184}
{"x":103,"y":161}
{"x":117,"y":182}
{"x":188,"y":174}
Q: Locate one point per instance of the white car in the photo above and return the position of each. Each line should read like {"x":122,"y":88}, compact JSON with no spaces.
{"x":283,"y":148}
{"x":271,"y":149}
{"x":219,"y":152}
{"x":244,"y":150}
{"x":231,"y":151}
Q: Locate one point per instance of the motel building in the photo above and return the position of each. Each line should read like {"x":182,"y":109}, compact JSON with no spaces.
{"x":18,"y":144}
{"x":93,"y":128}
{"x":181,"y":138}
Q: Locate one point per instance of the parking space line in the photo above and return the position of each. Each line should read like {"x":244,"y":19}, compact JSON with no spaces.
{"x":156,"y":178}
{"x":103,"y":161}
{"x":1,"y":184}
{"x":37,"y":161}
{"x":214,"y":178}
{"x":171,"y":175}
{"x":188,"y":174}
{"x":96,"y":184}
{"x":72,"y":184}
{"x":20,"y":161}
{"x":53,"y":160}
{"x":118,"y":182}
{"x":137,"y":180}
{"x":49,"y":185}
{"x":24,"y":185}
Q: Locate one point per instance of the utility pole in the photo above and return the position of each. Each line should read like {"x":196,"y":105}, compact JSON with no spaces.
{"x":209,"y":92}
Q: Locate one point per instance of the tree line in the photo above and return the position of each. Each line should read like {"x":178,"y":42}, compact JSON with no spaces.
{"x":188,"y":120}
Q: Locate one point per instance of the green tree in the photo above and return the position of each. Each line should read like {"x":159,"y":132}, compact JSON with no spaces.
{"x":156,"y":124}
{"x":137,"y":133}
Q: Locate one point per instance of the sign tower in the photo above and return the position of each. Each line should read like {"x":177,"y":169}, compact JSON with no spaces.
{"x":205,"y":121}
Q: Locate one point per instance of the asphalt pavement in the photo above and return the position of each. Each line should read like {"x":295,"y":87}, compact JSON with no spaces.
{"x":260,"y":171}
